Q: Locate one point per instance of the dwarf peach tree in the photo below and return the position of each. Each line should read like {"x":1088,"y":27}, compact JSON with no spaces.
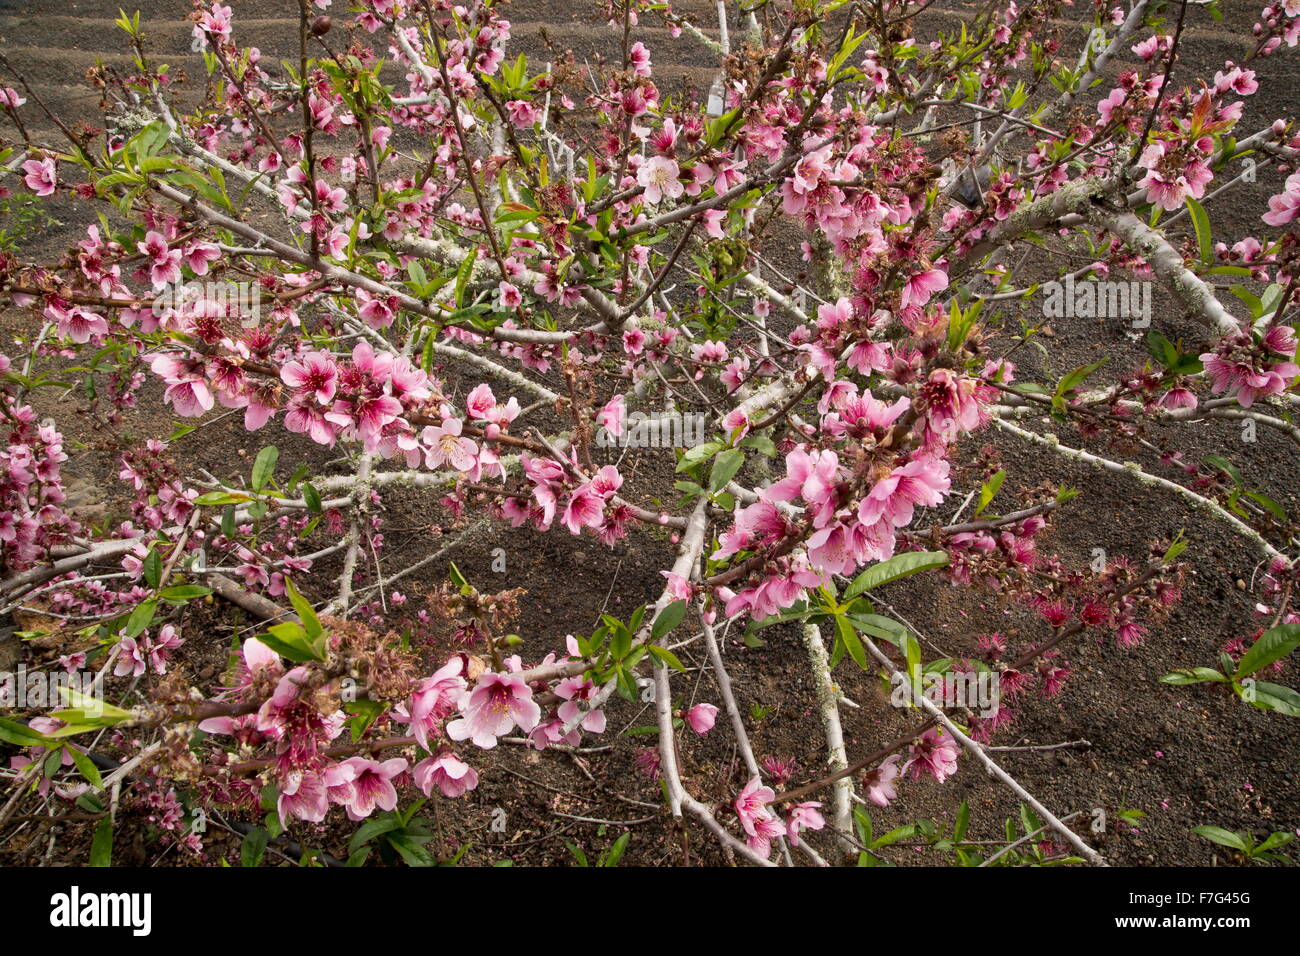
{"x":312,"y":244}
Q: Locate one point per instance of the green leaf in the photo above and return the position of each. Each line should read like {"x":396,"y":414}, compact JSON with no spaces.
{"x":87,"y":768}
{"x":1161,"y":349}
{"x":253,"y":848}
{"x":101,"y":846}
{"x":1273,"y":645}
{"x":1192,"y":675}
{"x":1222,"y":837}
{"x":311,"y":496}
{"x":667,"y":658}
{"x":373,"y":828}
{"x":963,"y":822}
{"x":851,"y":642}
{"x":1201,"y":221}
{"x":463,"y":276}
{"x":615,"y":852}
{"x":20,"y":735}
{"x":264,"y":466}
{"x":140,"y":618}
{"x":899,"y":566}
{"x":310,"y":622}
{"x":700,"y":453}
{"x":289,"y":640}
{"x":725,"y":467}
{"x":1275,"y":697}
{"x":412,"y":849}
{"x":1275,"y":840}
{"x":989,"y":489}
{"x":667,"y":619}
{"x":1222,"y":464}
{"x":184,"y":592}
{"x":220,"y":498}
{"x":153,"y":568}
{"x":884,"y":628}
{"x":1268,"y":504}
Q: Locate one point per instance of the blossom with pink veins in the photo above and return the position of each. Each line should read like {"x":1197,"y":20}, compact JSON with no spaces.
{"x":758,"y":822}
{"x":586,"y":509}
{"x":611,"y":416}
{"x":41,"y":176}
{"x":77,"y":323}
{"x":812,"y":476}
{"x":315,"y":374}
{"x":493,"y":708}
{"x":132,"y":657}
{"x":607,"y":481}
{"x":1284,"y":208}
{"x":447,"y":772}
{"x":935,"y":753}
{"x":305,"y":795}
{"x":755,"y":525}
{"x":576,"y":691}
{"x":164,"y":262}
{"x":372,"y":787}
{"x":921,"y":287}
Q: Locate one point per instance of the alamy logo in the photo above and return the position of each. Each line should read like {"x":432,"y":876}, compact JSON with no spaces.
{"x":977,"y":691}
{"x":76,"y":909}
{"x":663,"y":430}
{"x":38,"y":690}
{"x":1098,"y":299}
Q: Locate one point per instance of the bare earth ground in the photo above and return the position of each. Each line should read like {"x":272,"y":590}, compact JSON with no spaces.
{"x":1183,"y":756}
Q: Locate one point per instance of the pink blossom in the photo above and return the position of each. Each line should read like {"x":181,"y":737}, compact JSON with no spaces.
{"x":447,"y":772}
{"x":935,"y":753}
{"x":446,"y":446}
{"x":42,"y":177}
{"x":611,"y":416}
{"x":316,"y":375}
{"x":586,"y":509}
{"x":372,"y":787}
{"x":659,"y":175}
{"x":804,"y":816}
{"x":497,"y":703}
{"x":434,"y":699}
{"x":879,"y":783}
{"x":758,"y":822}
{"x":920,"y":287}
{"x":894,"y":498}
{"x":700,"y":718}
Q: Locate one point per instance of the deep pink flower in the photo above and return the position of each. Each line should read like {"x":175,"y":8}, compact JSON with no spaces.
{"x":372,"y":787}
{"x":935,"y":753}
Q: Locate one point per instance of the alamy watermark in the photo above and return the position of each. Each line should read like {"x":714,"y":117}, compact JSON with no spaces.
{"x":217,"y":298}
{"x":977,"y":691}
{"x":40,"y":689}
{"x":1098,"y":299}
{"x":661,"y":430}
